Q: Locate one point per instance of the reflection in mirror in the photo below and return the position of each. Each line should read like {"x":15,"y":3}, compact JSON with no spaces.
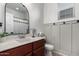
{"x":17,"y":19}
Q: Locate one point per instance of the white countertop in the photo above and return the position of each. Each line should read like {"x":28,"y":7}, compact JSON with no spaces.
{"x":12,"y":42}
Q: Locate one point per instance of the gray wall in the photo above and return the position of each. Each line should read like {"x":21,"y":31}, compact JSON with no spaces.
{"x":36,"y":16}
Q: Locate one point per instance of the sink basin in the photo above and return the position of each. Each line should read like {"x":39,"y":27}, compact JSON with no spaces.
{"x":24,"y":39}
{"x":21,"y":40}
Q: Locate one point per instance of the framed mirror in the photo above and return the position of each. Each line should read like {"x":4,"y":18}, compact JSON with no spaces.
{"x":16,"y":19}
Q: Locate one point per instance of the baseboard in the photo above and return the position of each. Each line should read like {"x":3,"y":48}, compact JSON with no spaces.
{"x":58,"y":53}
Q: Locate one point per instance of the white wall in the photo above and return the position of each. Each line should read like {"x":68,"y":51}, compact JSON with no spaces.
{"x":35,"y":15}
{"x":64,"y":37}
{"x":50,"y":13}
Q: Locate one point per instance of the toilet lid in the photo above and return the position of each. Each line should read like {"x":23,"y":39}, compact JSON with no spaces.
{"x":49,"y":46}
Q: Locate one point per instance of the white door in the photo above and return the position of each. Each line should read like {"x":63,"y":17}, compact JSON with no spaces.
{"x":65,"y":38}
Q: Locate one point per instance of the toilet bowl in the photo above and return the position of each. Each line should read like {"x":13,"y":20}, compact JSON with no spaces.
{"x":49,"y":48}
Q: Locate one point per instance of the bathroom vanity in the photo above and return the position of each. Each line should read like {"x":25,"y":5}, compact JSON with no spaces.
{"x":31,"y":48}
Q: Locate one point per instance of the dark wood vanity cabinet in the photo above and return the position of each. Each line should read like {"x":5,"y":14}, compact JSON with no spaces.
{"x":32,"y":49}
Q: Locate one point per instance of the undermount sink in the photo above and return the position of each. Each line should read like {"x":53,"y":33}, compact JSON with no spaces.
{"x":21,"y":40}
{"x":24,"y":39}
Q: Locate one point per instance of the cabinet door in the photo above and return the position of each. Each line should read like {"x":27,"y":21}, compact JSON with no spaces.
{"x":75,"y":39}
{"x":65,"y":38}
{"x":38,"y":44}
{"x":25,"y":49}
{"x":39,"y":52}
{"x":55,"y":36}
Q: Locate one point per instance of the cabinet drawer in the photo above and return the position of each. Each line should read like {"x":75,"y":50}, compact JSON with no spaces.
{"x":26,"y":49}
{"x":11,"y":52}
{"x":18,"y":51}
{"x":39,"y":52}
{"x":38,"y":44}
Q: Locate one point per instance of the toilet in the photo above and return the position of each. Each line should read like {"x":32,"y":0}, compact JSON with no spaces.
{"x":49,"y":48}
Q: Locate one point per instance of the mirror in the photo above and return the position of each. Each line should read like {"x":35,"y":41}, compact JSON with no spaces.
{"x":17,"y":19}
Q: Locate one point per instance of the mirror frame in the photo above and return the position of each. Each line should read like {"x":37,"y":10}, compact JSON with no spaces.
{"x":28,"y":31}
